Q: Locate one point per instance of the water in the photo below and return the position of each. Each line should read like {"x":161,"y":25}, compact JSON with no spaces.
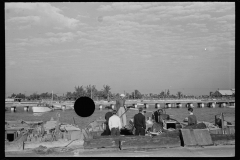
{"x":202,"y":114}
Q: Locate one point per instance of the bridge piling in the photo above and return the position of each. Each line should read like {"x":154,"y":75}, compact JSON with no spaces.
{"x":26,"y":108}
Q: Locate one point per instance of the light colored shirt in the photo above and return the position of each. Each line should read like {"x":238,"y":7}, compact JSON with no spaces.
{"x":114,"y":122}
{"x":122,"y":115}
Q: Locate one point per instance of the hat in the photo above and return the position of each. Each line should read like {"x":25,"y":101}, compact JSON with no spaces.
{"x":122,"y":95}
{"x":140,"y":108}
{"x":114,"y":111}
{"x":160,"y":110}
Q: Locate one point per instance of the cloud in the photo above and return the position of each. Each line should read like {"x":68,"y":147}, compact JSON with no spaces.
{"x":105,"y":8}
{"x":80,"y":33}
{"x":226,"y":18}
{"x":201,"y":27}
{"x":82,"y":16}
{"x":231,"y":43}
{"x":26,"y":19}
{"x":198,"y":25}
{"x":123,"y":6}
{"x":51,"y":39}
{"x":69,"y":35}
{"x":146,"y":56}
{"x":24,"y":27}
{"x":192,"y":16}
{"x":45,"y":14}
{"x":12,"y":63}
{"x":127,"y":6}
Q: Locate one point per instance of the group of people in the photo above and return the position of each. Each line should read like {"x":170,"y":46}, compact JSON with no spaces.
{"x":116,"y":119}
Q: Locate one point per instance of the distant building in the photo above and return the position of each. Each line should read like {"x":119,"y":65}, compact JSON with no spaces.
{"x":13,"y":99}
{"x":220,"y":93}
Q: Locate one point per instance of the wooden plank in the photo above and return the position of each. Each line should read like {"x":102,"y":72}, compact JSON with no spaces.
{"x":216,"y":137}
{"x":167,"y":140}
{"x":223,"y":139}
{"x":215,"y":131}
{"x":188,"y":137}
{"x":229,"y":129}
{"x":164,"y":142}
{"x":202,"y":137}
{"x":101,"y":143}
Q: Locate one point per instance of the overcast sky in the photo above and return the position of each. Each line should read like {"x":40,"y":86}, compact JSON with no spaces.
{"x":187,"y":47}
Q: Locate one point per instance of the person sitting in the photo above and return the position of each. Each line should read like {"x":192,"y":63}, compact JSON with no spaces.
{"x":149,"y":123}
{"x":192,"y":119}
{"x":140,"y":123}
{"x":115,"y":124}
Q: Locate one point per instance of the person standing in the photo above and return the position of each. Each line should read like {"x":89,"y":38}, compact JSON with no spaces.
{"x":107,"y":116}
{"x":115,"y":124}
{"x":121,"y":112}
{"x":156,"y":115}
{"x":192,"y":119}
{"x":140,"y":123}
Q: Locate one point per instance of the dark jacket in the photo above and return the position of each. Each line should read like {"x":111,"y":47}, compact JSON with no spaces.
{"x":139,"y":121}
{"x":192,"y":120}
{"x":155,"y":116}
{"x":119,"y":103}
{"x":107,"y":116}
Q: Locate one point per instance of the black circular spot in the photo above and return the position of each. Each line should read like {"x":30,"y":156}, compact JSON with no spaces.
{"x":84,"y":106}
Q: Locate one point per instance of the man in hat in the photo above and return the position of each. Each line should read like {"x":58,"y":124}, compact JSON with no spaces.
{"x":121,"y":110}
{"x":140,"y":123}
{"x":115,"y":124}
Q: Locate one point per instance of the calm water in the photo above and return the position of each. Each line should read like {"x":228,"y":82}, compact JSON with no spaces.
{"x":203,"y":114}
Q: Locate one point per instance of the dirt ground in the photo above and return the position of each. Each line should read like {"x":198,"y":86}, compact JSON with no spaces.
{"x":206,"y":151}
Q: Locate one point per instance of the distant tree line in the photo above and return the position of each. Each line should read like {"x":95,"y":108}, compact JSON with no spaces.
{"x":106,"y":94}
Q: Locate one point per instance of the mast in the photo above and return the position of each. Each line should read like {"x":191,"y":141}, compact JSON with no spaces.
{"x":91,"y":91}
{"x":52,"y":96}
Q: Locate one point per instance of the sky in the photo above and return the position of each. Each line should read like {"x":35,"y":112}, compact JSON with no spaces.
{"x":180,"y":46}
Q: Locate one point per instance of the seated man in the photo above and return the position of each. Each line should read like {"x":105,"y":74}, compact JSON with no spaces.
{"x":192,"y":119}
{"x":115,"y":124}
{"x":149,"y":123}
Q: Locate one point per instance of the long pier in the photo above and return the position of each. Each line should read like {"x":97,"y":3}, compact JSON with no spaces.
{"x":172,"y":103}
{"x":135,"y":103}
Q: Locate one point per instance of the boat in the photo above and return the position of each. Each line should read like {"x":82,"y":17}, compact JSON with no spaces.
{"x":53,"y":144}
{"x":24,"y":135}
{"x":15,"y":137}
{"x":41,"y":109}
{"x":57,"y":106}
{"x":63,"y":106}
{"x":230,"y":106}
{"x":68,"y":106}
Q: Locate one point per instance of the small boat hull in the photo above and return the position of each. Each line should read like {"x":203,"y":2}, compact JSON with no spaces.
{"x":57,"y":106}
{"x":59,"y":143}
{"x":41,"y":109}
{"x":17,"y":145}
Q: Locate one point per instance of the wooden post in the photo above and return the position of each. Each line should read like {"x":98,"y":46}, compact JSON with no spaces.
{"x":222,"y":120}
{"x":74,"y":121}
